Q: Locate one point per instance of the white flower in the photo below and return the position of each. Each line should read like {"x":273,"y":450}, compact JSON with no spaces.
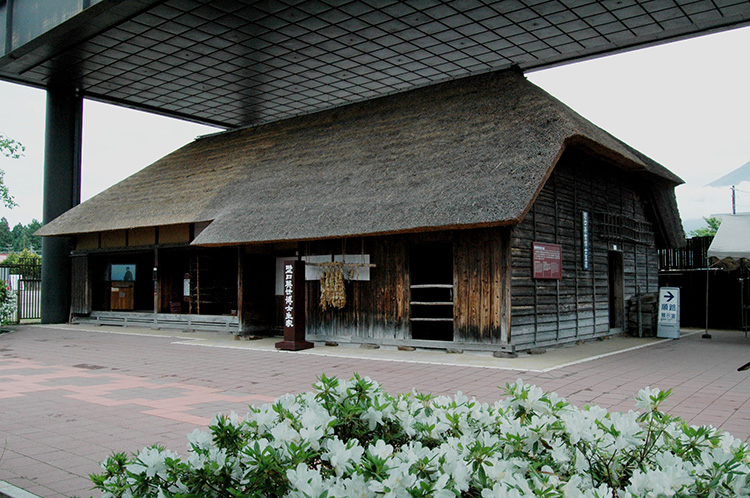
{"x":305,"y":482}
{"x":644,"y":400}
{"x":200,"y":439}
{"x":380,"y":449}
{"x":396,"y":484}
{"x":374,"y":417}
{"x":561,"y":454}
{"x":626,"y":425}
{"x":343,"y":455}
{"x":351,"y":487}
{"x":151,"y":461}
{"x":285,"y":433}
{"x":265,"y":417}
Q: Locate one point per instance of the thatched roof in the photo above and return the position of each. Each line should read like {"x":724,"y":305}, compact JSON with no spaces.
{"x":470,"y":152}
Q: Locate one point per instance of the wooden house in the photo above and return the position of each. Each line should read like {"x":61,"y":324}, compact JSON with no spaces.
{"x":479,"y":213}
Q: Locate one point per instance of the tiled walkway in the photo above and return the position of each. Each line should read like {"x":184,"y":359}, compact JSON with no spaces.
{"x":69,"y":397}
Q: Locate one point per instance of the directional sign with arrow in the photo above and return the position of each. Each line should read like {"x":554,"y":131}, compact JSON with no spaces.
{"x":669,"y":313}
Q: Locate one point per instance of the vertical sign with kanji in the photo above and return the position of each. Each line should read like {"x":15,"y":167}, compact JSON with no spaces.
{"x":585,"y":244}
{"x":668,"y":325}
{"x":294,"y":307}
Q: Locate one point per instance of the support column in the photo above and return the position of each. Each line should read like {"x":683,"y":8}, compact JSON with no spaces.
{"x":62,"y":191}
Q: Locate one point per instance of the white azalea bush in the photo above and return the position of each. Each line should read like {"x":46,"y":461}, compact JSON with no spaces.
{"x":350,"y":439}
{"x":8,"y":304}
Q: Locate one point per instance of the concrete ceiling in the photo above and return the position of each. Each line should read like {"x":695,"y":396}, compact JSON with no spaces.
{"x":233,"y":63}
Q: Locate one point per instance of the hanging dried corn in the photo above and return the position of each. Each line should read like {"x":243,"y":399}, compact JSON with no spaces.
{"x":332,"y":289}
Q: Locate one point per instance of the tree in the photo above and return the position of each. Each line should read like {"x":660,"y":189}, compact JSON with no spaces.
{"x":707,"y":231}
{"x":27,"y":263}
{"x":6,"y":236}
{"x":35,"y":241}
{"x":13,"y":149}
{"x":26,"y":256}
{"x":20,"y":237}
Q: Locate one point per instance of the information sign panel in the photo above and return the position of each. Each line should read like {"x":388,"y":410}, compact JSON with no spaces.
{"x":547,"y":261}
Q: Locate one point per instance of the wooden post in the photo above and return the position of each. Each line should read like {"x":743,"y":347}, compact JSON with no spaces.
{"x":505,"y":282}
{"x":294,"y":307}
{"x":706,"y":335}
{"x":156,"y":277}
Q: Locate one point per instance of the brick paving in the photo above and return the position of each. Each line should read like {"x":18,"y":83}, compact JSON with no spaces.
{"x":69,"y":398}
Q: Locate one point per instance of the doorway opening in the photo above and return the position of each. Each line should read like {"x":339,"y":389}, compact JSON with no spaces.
{"x":431,"y":301}
{"x":616,"y":290}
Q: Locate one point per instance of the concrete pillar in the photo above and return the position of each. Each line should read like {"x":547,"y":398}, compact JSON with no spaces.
{"x":62,"y":191}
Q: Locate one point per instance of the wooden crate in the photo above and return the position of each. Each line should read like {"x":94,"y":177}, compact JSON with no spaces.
{"x":122,"y":296}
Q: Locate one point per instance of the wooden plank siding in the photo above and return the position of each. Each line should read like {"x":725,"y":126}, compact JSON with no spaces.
{"x":80,"y":302}
{"x":548,"y":312}
{"x":479,"y":269}
{"x":378,"y":310}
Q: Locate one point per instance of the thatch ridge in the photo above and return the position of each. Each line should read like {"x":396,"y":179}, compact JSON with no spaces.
{"x":471,"y":152}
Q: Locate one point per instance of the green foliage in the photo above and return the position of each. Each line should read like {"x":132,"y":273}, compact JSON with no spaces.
{"x":25,"y":257}
{"x":709,"y":230}
{"x":20,"y":237}
{"x":27,"y":264}
{"x":13,"y":149}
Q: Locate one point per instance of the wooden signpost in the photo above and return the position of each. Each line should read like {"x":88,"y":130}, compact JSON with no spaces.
{"x":294,"y":307}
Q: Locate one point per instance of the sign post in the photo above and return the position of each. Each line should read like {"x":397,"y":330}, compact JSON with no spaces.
{"x":294,"y":307}
{"x":668,"y":325}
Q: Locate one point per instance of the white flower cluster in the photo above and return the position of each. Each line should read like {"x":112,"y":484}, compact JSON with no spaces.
{"x":351,"y":439}
{"x":8,"y":307}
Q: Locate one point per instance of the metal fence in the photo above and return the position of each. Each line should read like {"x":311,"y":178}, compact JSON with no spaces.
{"x":24,"y":280}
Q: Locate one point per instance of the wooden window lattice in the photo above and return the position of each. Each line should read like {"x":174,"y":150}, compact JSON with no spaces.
{"x":619,"y":228}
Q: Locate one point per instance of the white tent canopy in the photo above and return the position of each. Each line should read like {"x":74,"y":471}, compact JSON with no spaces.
{"x":731,"y":245}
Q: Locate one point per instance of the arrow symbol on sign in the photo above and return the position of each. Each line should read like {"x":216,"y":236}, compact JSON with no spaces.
{"x":669,"y":296}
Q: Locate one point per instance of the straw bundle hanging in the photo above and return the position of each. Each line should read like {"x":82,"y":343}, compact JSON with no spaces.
{"x":332,"y":289}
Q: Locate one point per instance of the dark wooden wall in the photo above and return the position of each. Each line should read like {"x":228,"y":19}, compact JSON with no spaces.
{"x":378,"y":310}
{"x":375,"y":309}
{"x":546,"y":312}
{"x":80,"y":285}
{"x":481,"y":279}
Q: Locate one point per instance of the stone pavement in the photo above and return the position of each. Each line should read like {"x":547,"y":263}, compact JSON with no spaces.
{"x":70,"y":395}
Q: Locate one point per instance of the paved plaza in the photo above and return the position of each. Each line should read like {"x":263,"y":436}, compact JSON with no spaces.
{"x":70,"y":395}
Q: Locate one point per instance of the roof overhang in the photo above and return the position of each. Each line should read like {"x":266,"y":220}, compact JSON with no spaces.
{"x":468,"y":153}
{"x":234,"y":63}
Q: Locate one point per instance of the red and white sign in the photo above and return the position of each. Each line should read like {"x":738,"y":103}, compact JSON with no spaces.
{"x":547,"y":261}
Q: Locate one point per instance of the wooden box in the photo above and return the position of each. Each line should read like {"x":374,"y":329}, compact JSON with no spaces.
{"x":122,"y":296}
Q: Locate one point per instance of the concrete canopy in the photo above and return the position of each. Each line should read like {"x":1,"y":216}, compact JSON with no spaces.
{"x":234,"y":63}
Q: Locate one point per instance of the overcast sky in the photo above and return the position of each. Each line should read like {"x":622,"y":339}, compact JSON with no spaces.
{"x":684,"y":104}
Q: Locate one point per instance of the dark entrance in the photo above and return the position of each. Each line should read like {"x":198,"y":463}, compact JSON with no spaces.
{"x":431,"y":302}
{"x":616,"y":290}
